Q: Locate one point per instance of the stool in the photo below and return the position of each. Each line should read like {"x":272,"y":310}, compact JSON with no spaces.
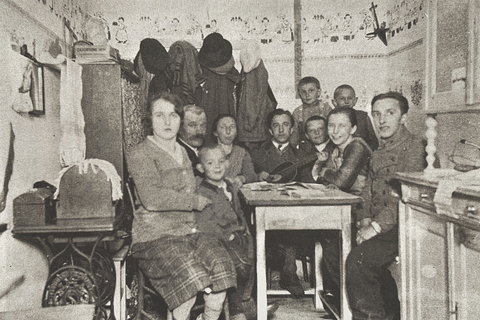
{"x":119,"y":298}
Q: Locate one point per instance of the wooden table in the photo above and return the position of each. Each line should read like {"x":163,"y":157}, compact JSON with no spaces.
{"x":281,"y":209}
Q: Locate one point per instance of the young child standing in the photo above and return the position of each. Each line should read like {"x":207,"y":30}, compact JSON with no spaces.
{"x":344,"y":96}
{"x":224,"y":220}
{"x":309,"y":91}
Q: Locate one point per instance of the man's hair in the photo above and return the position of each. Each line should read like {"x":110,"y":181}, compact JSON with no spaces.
{"x":343,"y":87}
{"x":313,"y":118}
{"x":279,"y":112}
{"x":169,"y":97}
{"x":207,"y":147}
{"x":402,"y":101}
{"x":193,"y":108}
{"x":306,"y":80}
{"x":349,"y":112}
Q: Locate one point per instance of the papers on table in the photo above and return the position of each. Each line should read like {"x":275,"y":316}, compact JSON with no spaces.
{"x":292,"y":189}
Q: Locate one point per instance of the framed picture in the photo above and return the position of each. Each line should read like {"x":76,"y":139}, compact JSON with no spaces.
{"x":29,"y":79}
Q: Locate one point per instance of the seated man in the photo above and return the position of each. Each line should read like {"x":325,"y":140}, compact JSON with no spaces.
{"x":371,"y":289}
{"x":192,"y":133}
{"x":266,"y":158}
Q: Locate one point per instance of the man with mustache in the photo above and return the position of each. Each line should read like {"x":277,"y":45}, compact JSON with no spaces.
{"x":192,"y":133}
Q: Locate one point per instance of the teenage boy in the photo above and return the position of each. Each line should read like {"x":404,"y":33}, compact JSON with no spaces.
{"x":344,"y":96}
{"x":266,"y":158}
{"x":317,"y":141}
{"x":371,"y":289}
{"x":309,"y":91}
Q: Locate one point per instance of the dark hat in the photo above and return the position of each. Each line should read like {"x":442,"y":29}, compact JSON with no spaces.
{"x":215,"y":51}
{"x":154,"y":55}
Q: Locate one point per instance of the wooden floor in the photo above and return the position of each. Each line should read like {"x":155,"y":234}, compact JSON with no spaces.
{"x":294,"y":309}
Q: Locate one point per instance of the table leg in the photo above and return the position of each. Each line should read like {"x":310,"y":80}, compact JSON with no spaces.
{"x":346,"y":247}
{"x":318,"y":276}
{"x":261,"y":264}
{"x":117,"y":297}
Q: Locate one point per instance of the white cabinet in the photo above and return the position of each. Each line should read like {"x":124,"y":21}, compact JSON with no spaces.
{"x":453,"y":56}
{"x":439,"y":253}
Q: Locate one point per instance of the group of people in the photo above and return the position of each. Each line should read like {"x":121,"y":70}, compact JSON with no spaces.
{"x":190,"y":233}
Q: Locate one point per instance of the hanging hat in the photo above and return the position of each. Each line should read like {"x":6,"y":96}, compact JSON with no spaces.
{"x":154,"y":55}
{"x":215,"y":51}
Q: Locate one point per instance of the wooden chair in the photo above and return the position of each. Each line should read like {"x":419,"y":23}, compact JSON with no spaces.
{"x":141,"y":287}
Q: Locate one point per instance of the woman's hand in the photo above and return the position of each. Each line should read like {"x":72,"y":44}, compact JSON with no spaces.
{"x":322,"y":156}
{"x":203,"y":202}
{"x":237,"y":182}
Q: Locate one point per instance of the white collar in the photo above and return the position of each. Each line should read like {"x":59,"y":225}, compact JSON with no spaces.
{"x":189,"y":146}
{"x":284,"y":145}
{"x":322,"y":146}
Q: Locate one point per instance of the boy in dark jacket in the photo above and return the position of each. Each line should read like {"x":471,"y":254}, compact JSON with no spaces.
{"x":224,"y":220}
{"x":344,"y":96}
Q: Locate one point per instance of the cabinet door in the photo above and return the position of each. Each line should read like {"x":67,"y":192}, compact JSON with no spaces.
{"x":453,"y":58}
{"x":102,"y":110}
{"x":424,"y":252}
{"x":467,"y":273}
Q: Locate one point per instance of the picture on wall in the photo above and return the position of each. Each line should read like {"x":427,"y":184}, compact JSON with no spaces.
{"x":30,"y":80}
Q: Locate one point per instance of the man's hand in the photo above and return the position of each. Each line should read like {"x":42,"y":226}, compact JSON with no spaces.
{"x":364,"y":222}
{"x":365,"y":233}
{"x":203,"y":202}
{"x":263,"y":176}
{"x":331,"y":186}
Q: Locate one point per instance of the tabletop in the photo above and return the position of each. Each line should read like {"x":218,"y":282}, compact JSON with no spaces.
{"x":94,"y":225}
{"x":295,"y":194}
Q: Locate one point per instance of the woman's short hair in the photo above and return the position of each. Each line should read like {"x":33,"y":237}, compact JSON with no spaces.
{"x":166,"y":96}
{"x":217,"y":120}
{"x":402,"y":101}
{"x":349,"y":112}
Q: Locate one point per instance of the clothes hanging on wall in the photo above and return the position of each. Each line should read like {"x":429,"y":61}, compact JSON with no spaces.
{"x":72,"y":123}
{"x":145,"y":79}
{"x":219,"y":95}
{"x":155,"y":59}
{"x":256,"y":96}
{"x":185,"y":72}
{"x":221,"y":78}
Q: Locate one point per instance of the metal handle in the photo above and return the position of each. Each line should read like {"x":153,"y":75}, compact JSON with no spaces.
{"x":424,"y":196}
{"x":471,"y":210}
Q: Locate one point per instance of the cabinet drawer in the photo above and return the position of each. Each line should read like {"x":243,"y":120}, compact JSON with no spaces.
{"x":466,"y":206}
{"x":422,"y":195}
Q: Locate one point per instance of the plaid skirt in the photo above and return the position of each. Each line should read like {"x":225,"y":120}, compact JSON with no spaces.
{"x":180,"y":266}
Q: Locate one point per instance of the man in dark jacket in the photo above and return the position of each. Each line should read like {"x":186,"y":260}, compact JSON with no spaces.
{"x":371,"y":289}
{"x":266,"y":158}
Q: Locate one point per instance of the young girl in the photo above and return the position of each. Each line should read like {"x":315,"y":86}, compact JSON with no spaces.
{"x":346,"y":168}
{"x":178,"y":260}
{"x":240,"y":166}
{"x":347,"y":165}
